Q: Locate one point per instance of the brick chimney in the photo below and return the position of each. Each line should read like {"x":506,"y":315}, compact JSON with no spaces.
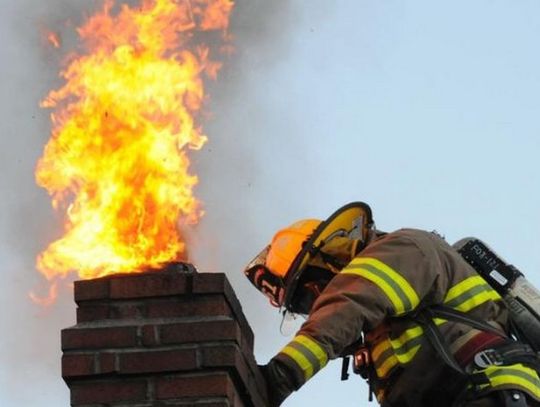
{"x":163,"y":338}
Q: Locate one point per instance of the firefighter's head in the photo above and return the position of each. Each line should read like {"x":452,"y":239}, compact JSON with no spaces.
{"x":302,"y":258}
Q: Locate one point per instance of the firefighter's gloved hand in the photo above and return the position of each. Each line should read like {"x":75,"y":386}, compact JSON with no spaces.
{"x":279,"y":383}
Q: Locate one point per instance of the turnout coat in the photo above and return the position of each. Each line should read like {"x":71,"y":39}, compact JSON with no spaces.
{"x":396,"y":274}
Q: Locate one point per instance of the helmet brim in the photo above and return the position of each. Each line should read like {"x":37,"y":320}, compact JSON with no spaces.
{"x":354,"y":218}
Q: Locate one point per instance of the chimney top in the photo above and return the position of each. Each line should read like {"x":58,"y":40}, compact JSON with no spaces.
{"x":168,"y":337}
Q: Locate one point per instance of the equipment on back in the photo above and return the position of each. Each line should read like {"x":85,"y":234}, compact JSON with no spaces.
{"x":299,"y":262}
{"x":520,"y":296}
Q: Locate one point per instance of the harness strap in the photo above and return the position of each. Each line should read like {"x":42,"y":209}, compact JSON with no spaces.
{"x":441,"y":311}
{"x":506,"y":354}
{"x":433,"y":334}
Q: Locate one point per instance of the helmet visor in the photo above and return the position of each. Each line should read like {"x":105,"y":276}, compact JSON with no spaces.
{"x":263,"y":279}
{"x":259,"y":260}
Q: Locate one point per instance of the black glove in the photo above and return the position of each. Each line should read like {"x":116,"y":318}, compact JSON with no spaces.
{"x":279,"y":383}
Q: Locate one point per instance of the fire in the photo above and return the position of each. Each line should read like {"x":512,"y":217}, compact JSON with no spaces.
{"x":123,"y":124}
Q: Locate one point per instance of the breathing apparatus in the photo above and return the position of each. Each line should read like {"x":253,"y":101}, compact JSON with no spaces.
{"x":521,"y":297}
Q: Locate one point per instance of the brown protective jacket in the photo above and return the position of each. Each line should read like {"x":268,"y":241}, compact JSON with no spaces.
{"x":394,"y":275}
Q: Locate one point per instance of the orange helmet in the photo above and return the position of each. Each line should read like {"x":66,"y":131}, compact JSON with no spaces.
{"x":277,"y":269}
{"x":270,"y":267}
{"x":286,"y":245}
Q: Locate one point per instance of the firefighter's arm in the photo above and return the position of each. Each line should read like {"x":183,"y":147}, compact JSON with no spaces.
{"x":388,"y":278}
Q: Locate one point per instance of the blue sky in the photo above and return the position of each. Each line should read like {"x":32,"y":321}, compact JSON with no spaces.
{"x":428,"y":111}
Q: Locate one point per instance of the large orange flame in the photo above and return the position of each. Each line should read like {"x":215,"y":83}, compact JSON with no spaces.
{"x":123,"y":123}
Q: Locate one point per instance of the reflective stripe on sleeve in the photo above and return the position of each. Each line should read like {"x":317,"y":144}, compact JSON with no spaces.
{"x":390,"y":352}
{"x":395,"y":287}
{"x":307,"y":354}
{"x":470,"y":293}
{"x":518,"y":376}
{"x":384,"y":359}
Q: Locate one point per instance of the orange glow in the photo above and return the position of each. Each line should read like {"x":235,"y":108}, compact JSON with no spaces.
{"x":54,"y":39}
{"x":124,"y":122}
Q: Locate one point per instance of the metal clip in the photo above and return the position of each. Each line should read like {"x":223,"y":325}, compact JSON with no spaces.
{"x":487,"y":358}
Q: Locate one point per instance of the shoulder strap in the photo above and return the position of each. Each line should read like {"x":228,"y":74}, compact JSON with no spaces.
{"x":425,"y":319}
{"x":441,"y":311}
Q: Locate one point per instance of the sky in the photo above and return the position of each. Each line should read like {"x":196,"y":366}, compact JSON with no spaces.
{"x":428,"y":111}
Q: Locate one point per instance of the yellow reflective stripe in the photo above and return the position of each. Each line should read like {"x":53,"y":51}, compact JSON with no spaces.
{"x":406,"y":336}
{"x":380,"y":348}
{"x":381,"y":283}
{"x":396,"y":288}
{"x":303,"y":363}
{"x":308,"y":355}
{"x":470,"y":293}
{"x":383,"y":358}
{"x":314,"y":348}
{"x":386,"y":367}
{"x":409,"y":355}
{"x":465,"y":285}
{"x":518,"y":375}
{"x":404,"y":348}
{"x":477,"y":300}
{"x":391,"y":352}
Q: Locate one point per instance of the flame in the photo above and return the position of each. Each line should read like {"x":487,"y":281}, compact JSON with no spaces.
{"x":117,"y":162}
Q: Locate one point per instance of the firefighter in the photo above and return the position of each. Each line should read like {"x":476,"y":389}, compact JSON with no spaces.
{"x":376,"y":296}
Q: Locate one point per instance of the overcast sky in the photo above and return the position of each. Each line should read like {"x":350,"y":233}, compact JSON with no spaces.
{"x":426,"y":110}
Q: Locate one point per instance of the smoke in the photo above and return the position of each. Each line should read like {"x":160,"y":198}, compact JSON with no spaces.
{"x":234,"y":184}
{"x":250,"y":134}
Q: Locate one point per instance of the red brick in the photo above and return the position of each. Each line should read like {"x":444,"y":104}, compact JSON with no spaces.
{"x":225,"y":355}
{"x":200,"y":331}
{"x":108,"y":392}
{"x":229,"y":356}
{"x":149,"y":335}
{"x":157,"y":361}
{"x":207,"y":283}
{"x":78,"y":365}
{"x":95,"y":338}
{"x":200,"y":306}
{"x":151,"y":284}
{"x":87,"y":313}
{"x":123,"y":310}
{"x":91,"y":289}
{"x":204,"y":385}
{"x":107,"y":363}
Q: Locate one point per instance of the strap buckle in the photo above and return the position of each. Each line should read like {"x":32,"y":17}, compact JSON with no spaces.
{"x":488,"y":357}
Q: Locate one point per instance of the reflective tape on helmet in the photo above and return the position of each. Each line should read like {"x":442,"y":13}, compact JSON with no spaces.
{"x":398,"y":290}
{"x":515,"y":376}
{"x":470,"y":293}
{"x":307,"y":354}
